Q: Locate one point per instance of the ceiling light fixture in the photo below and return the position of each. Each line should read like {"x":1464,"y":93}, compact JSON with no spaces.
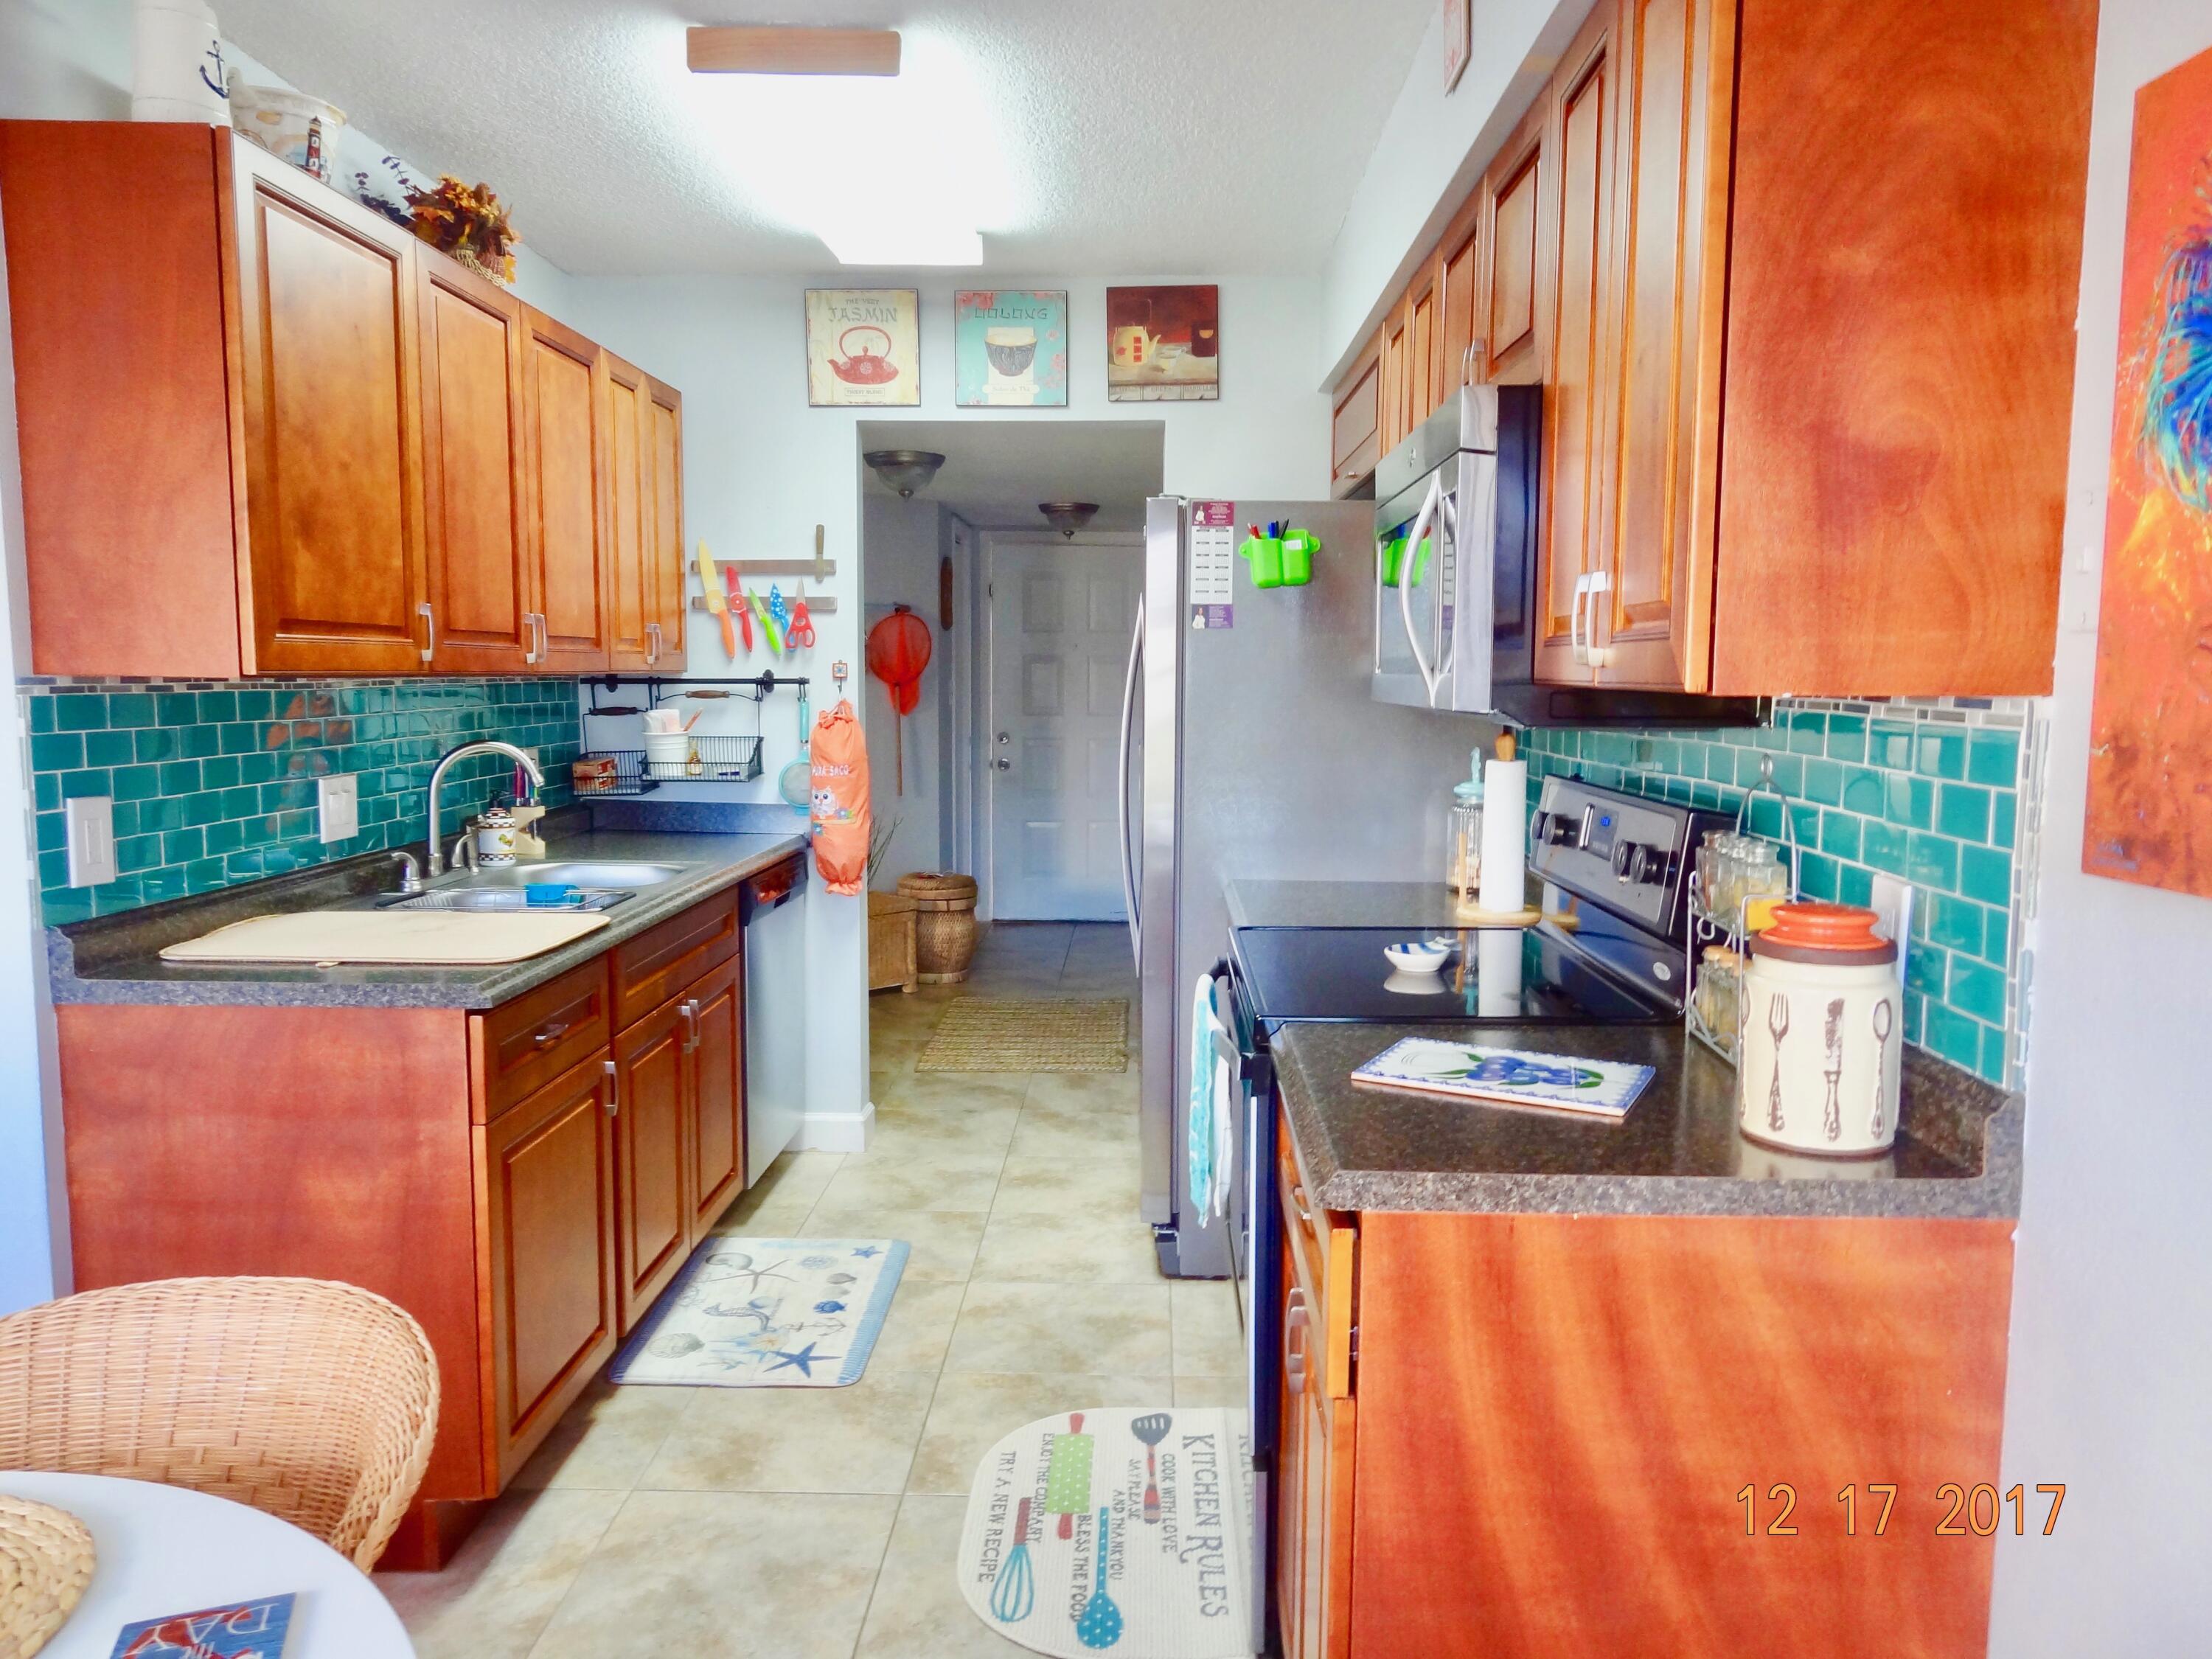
{"x":896,"y":245}
{"x":1068,"y":517}
{"x":791,"y":50}
{"x":904,"y":470}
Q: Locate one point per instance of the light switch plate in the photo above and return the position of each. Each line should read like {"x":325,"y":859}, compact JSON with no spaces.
{"x":1891,"y":901}
{"x":90,"y":820}
{"x":337,"y":805}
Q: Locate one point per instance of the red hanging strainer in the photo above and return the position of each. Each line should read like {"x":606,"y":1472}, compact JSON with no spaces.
{"x":898,"y":650}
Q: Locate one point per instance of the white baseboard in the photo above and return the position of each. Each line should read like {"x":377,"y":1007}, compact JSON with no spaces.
{"x":835,"y":1132}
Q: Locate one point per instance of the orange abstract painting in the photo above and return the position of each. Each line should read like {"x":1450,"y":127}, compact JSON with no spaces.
{"x":2150,"y":754}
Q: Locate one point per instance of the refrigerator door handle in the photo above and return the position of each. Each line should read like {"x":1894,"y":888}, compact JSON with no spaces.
{"x":1429,"y":677}
{"x":1121,"y":804}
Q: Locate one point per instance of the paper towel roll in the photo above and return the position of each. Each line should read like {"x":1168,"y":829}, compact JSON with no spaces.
{"x":1497,"y":955}
{"x":1505,"y":835}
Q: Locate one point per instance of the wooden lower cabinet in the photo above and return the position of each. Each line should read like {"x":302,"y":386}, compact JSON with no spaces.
{"x":652,"y":1155}
{"x":523,"y":1179}
{"x":546,"y":1232}
{"x":1543,"y":1445}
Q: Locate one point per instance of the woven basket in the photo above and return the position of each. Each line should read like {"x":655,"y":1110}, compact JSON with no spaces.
{"x":944,"y":925}
{"x":46,"y":1561}
{"x":890,"y":942}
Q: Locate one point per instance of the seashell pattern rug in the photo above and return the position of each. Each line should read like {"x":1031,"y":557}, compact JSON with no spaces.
{"x":768,"y":1313}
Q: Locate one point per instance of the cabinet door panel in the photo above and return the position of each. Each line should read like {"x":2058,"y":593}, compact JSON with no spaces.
{"x":473,"y":485}
{"x":1354,"y":429}
{"x":663,"y":580}
{"x":547,"y":1171}
{"x":1655,"y":622}
{"x":1460,"y":261}
{"x":1290,"y":1550}
{"x":1424,"y":343}
{"x":327,"y":315}
{"x":1576,"y":424}
{"x":568,"y":495}
{"x":631,"y":599}
{"x":1512,"y":255}
{"x":717,"y":1128}
{"x":652,"y":1210}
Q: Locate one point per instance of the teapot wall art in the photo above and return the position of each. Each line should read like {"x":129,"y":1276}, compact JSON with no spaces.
{"x":1163,"y":344}
{"x":863,"y":347}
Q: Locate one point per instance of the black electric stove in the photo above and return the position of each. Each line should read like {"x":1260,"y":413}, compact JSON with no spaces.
{"x":1520,"y":975}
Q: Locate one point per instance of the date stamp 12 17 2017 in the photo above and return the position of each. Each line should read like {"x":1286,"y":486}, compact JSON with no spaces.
{"x":1957,"y":1511}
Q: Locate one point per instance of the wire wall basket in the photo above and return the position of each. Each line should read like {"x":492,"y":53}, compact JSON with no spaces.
{"x":1728,"y":883}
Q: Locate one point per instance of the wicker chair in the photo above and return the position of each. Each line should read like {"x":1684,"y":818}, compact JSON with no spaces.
{"x":314,"y":1401}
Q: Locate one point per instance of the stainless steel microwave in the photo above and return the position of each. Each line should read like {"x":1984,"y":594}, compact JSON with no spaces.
{"x":1458,"y":526}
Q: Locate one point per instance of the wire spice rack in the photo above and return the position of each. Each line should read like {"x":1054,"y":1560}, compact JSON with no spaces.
{"x":708,"y":758}
{"x":1730,"y":925}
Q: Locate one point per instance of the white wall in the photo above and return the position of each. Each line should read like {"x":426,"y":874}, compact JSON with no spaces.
{"x":2111,"y":1332}
{"x":762,"y":469}
{"x":904,"y":540}
{"x":1431,"y":150}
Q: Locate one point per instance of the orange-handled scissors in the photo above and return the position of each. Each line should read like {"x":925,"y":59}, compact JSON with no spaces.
{"x":800,"y":633}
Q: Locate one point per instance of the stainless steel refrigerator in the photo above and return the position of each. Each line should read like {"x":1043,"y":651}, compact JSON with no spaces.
{"x":1253,"y":749}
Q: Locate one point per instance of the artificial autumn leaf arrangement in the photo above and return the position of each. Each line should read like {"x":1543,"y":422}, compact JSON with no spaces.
{"x":469,"y":223}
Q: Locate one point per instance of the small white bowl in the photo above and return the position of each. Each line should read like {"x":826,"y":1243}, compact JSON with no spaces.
{"x":1413,"y":956}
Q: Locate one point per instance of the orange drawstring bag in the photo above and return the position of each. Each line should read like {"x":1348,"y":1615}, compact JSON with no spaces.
{"x":839,"y":798}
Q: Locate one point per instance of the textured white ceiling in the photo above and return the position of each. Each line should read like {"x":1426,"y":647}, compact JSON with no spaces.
{"x":1130,"y":136}
{"x":995,"y":472}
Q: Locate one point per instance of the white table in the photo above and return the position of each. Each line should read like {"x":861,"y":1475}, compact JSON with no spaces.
{"x":167,"y":1549}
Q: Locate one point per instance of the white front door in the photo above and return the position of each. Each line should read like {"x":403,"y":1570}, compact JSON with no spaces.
{"x":1061,"y":615}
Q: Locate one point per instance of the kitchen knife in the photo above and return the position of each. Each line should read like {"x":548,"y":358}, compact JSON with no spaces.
{"x":737,"y":603}
{"x":715,"y":602}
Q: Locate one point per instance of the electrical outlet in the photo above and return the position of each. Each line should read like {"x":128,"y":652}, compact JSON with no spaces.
{"x":337,"y":805}
{"x":1891,"y":901}
{"x":90,"y":820}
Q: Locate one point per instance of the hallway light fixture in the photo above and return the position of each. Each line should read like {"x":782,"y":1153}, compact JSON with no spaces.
{"x":1068,"y":517}
{"x":904,"y":470}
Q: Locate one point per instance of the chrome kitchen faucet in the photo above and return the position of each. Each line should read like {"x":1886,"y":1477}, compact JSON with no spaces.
{"x":433,"y":862}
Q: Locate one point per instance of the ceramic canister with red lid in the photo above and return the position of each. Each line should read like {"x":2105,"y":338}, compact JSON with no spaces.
{"x":1822,"y":1033}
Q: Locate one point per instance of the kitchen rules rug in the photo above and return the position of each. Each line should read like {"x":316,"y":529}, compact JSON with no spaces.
{"x":767,"y":1313}
{"x":1115,"y":1529}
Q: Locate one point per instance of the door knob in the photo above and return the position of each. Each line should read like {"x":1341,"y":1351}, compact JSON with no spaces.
{"x":1005,"y":738}
{"x":1002,"y":764}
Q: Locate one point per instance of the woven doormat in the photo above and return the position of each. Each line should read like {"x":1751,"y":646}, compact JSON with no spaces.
{"x":978,"y":1034}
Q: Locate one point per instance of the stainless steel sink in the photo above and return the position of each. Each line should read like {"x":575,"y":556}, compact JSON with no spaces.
{"x":572,"y":872}
{"x":466,"y":897}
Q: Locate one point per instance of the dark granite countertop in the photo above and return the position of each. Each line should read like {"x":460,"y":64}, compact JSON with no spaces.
{"x":1677,"y":1153}
{"x":116,"y":959}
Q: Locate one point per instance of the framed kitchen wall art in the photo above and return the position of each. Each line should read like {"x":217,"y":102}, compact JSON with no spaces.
{"x":863,"y":347}
{"x":1163,"y":344}
{"x":1458,"y":41}
{"x":1010,"y":347}
{"x":2149,"y":817}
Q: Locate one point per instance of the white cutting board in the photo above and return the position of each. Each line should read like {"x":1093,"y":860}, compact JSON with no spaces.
{"x":435,"y":938}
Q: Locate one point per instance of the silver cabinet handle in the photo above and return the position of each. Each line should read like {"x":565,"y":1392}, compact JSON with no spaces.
{"x":1600,"y":656}
{"x":689,"y":1010}
{"x":614,"y":1088}
{"x":547,"y":1036}
{"x":653,"y":645}
{"x":533,"y":651}
{"x":1121,"y":776}
{"x":544,"y":638}
{"x":1297,"y":1321}
{"x":1574,"y":620}
{"x":1466,"y":362}
{"x":429,"y":628}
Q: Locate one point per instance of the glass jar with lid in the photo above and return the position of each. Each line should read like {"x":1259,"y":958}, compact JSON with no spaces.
{"x":1463,"y":846}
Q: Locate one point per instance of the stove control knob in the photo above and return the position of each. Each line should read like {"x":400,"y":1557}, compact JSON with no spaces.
{"x":1555,"y":829}
{"x":1638,"y":863}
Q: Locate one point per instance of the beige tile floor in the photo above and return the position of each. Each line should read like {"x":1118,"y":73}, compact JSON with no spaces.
{"x":766,"y":1522}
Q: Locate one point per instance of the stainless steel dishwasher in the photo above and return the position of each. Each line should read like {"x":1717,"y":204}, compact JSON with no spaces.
{"x":769,"y":905}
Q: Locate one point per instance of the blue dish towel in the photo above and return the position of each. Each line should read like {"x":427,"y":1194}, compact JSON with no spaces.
{"x":1197,"y":1144}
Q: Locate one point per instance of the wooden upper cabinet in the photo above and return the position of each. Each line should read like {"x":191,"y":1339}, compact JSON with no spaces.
{"x":661,"y":451}
{"x":322,"y":448}
{"x":475,"y":487}
{"x":1458,"y":261}
{"x":631,"y":594}
{"x":1392,"y":380}
{"x":1905,"y":218}
{"x":1512,"y":255}
{"x":333,"y":458}
{"x":546,"y":1225}
{"x":1354,"y":433}
{"x":1652,"y":618}
{"x":568,"y":519}
{"x":1425,"y":375}
{"x":1577,"y":423}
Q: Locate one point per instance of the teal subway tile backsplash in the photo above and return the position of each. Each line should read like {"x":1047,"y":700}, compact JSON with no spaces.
{"x":215,"y":784}
{"x":1928,"y":793}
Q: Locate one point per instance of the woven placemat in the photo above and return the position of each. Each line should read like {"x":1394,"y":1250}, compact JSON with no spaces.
{"x":981,"y":1035}
{"x":45,"y":1562}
